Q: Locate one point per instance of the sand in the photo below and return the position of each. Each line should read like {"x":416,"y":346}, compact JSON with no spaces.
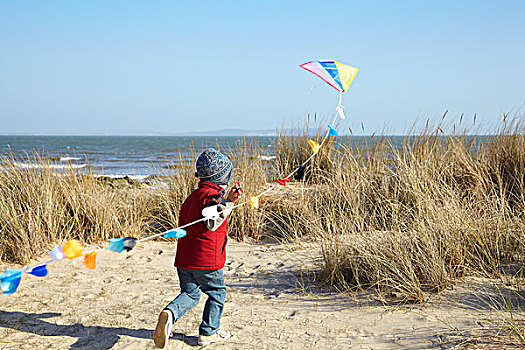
{"x":272,"y":303}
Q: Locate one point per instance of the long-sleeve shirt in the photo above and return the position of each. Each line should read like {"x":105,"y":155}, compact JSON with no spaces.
{"x":204,"y":246}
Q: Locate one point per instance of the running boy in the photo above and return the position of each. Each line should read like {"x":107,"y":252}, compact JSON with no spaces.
{"x":201,"y":254}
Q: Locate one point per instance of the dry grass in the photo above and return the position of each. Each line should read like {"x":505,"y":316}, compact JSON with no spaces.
{"x":402,"y":220}
{"x":414,"y":219}
{"x":40,"y":207}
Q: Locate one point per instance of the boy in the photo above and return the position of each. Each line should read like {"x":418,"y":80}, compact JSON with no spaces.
{"x":201,"y":254}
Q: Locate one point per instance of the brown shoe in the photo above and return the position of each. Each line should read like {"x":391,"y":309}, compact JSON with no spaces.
{"x":163,"y":330}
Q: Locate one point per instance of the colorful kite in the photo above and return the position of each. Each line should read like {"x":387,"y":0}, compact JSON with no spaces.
{"x":337,"y":75}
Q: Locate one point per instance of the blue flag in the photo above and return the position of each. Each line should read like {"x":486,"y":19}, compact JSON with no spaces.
{"x":39,"y":271}
{"x":175,"y":233}
{"x":332,"y":131}
{"x":10,"y":280}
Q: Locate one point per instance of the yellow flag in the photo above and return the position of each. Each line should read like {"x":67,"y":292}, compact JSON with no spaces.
{"x":315,"y":146}
{"x":254,"y":201}
{"x":72,"y":249}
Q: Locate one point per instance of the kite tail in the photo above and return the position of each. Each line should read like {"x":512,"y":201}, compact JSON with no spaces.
{"x":340,"y":107}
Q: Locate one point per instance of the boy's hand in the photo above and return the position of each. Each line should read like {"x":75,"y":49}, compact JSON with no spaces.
{"x":234,"y":193}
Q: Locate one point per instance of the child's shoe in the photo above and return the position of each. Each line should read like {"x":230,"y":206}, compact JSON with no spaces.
{"x":214,"y":338}
{"x":163,"y":330}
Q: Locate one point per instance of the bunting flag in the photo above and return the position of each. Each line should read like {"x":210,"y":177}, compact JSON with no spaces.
{"x":315,"y":146}
{"x":175,"y":233}
{"x":39,"y":271}
{"x":339,"y":110}
{"x":72,"y":249}
{"x":90,"y":260}
{"x":282,"y":181}
{"x":300,"y":172}
{"x":57,"y":254}
{"x":10,"y":279}
{"x":211,"y":212}
{"x":254,"y":201}
{"x":129,"y":243}
{"x":332,"y":131}
{"x":116,"y":245}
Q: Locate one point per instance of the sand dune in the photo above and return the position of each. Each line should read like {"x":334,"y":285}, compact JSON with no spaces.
{"x":272,"y":303}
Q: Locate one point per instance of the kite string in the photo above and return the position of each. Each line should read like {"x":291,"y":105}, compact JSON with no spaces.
{"x":293,"y":172}
{"x":268,"y":189}
{"x":260,"y":194}
{"x":313,"y":154}
{"x":163,"y":233}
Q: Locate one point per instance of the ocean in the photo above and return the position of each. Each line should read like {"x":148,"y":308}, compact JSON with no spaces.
{"x":117,"y":156}
{"x":137,"y":156}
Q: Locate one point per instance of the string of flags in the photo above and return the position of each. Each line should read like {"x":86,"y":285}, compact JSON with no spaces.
{"x":336,"y":74}
{"x":72,"y":250}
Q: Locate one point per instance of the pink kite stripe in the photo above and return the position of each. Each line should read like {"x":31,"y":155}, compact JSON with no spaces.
{"x":317,"y":69}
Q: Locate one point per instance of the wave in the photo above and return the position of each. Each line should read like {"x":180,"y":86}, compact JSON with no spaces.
{"x":69,"y":159}
{"x":48,"y":166}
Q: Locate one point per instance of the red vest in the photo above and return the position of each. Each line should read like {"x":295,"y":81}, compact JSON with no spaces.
{"x":200,"y":249}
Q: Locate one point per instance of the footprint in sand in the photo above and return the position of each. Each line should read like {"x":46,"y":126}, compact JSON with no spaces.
{"x":146,"y":259}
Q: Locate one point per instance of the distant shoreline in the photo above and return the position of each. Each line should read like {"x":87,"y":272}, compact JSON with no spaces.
{"x":312,"y":134}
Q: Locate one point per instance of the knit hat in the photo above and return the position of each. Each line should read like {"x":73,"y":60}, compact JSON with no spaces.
{"x":213,"y":166}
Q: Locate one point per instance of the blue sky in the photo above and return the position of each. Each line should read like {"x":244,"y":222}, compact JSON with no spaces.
{"x":143,"y":67}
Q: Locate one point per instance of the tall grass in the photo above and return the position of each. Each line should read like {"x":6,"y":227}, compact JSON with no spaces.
{"x":404,"y":220}
{"x":414,"y":219}
{"x":40,"y":207}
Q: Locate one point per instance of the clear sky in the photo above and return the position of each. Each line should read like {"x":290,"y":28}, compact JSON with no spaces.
{"x":141,"y":67}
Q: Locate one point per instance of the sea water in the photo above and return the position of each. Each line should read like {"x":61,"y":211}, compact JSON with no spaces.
{"x":140,"y":156}
{"x":118,"y":156}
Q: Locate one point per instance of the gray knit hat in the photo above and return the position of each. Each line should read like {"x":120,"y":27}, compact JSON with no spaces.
{"x":213,"y":166}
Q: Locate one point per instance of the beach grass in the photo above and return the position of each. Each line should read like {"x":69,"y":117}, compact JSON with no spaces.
{"x":43,"y":207}
{"x":402,"y":220}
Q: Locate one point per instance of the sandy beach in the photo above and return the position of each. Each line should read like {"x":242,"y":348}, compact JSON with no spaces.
{"x":379,"y":146}
{"x":272,"y":303}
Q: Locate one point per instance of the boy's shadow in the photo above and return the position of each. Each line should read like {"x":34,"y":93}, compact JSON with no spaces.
{"x":89,"y":337}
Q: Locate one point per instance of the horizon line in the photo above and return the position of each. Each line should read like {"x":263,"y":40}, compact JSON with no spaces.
{"x":233,"y":135}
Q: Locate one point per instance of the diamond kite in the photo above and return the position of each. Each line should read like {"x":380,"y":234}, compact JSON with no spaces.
{"x":337,"y":75}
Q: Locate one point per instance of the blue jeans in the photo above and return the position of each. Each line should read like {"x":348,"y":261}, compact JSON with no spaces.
{"x":192,"y":282}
